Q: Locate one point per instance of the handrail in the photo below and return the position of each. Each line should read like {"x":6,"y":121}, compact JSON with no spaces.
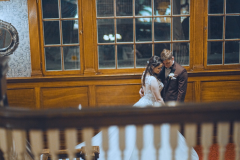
{"x":15,"y":118}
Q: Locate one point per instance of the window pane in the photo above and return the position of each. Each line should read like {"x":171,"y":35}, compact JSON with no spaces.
{"x":215,"y":6}
{"x":125,"y":30}
{"x":232,"y":6}
{"x":162,"y":7}
{"x":124,"y":7}
{"x":143,"y":29}
{"x":106,"y":56}
{"x":143,"y":53}
{"x":51,"y":32}
{"x":158,"y":48}
{"x":50,"y":9}
{"x":105,"y":30}
{"x":181,"y":53}
{"x":71,"y":58}
{"x":162,"y":29}
{"x":69,"y":9}
{"x":232,"y":27}
{"x":180,"y":28}
{"x":215,"y":27}
{"x":232,"y":52}
{"x":69,"y":32}
{"x":214,"y":53}
{"x":181,"y":7}
{"x":125,"y":56}
{"x":53,"y":58}
{"x":104,"y":8}
{"x":143,"y":8}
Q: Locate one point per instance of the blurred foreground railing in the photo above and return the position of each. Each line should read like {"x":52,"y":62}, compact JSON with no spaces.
{"x":194,"y":120}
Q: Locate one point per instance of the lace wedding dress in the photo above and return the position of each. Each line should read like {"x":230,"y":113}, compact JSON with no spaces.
{"x":148,"y":152}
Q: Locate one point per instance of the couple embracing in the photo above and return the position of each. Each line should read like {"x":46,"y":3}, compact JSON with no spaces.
{"x":161,"y":75}
{"x":163,"y":80}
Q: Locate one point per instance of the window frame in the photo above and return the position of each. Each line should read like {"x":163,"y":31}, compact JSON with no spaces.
{"x":216,"y":66}
{"x":88,"y":41}
{"x":80,"y":29}
{"x":133,"y":70}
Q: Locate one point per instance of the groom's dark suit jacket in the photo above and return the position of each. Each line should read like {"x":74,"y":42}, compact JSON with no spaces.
{"x":174,"y":89}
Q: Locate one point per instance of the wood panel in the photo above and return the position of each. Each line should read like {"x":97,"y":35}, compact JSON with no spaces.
{"x":95,"y":91}
{"x":64,"y":97}
{"x":117,"y":95}
{"x":190,"y":93}
{"x":220,"y":91}
{"x":21,"y":97}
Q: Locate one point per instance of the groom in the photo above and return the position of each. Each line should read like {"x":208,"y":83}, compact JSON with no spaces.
{"x":174,"y":77}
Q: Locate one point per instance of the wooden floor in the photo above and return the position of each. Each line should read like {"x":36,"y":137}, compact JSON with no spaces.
{"x":213,"y":155}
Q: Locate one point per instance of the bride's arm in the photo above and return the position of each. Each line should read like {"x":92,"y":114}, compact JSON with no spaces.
{"x":155,"y":90}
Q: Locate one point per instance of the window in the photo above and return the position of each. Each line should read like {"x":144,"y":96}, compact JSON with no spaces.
{"x":129,"y":32}
{"x":61,"y":38}
{"x":223,"y":39}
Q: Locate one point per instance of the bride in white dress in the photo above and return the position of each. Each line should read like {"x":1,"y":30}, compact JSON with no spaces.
{"x":152,"y":88}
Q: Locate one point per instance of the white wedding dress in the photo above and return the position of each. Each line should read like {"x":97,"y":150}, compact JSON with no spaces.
{"x":148,"y":152}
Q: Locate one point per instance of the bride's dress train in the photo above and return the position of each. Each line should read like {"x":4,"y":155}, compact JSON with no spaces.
{"x":149,"y":151}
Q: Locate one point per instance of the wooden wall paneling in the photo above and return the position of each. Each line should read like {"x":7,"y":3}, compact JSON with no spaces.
{"x":220,"y":91}
{"x":64,"y":97}
{"x":92,"y":95}
{"x":197,"y":88}
{"x":37,"y":97}
{"x":190,"y":93}
{"x":34,"y":36}
{"x":116,"y":95}
{"x":21,"y":97}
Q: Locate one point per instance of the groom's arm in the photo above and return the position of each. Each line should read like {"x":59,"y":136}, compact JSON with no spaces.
{"x":182,"y":86}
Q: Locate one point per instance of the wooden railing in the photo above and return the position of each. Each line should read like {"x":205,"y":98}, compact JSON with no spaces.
{"x":197,"y":121}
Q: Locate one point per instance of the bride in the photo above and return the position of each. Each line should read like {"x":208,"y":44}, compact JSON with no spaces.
{"x":152,"y":88}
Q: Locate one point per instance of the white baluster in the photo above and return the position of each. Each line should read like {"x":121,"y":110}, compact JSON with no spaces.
{"x":206,"y":138}
{"x":36,"y":140}
{"x":87,"y":137}
{"x":105,"y":143}
{"x":191,"y":137}
{"x":19,"y":138}
{"x":157,"y":139}
{"x":222,"y":138}
{"x":53,"y":143}
{"x":122,"y":140}
{"x":71,"y":142}
{"x":236,"y":139}
{"x":174,"y":138}
{"x":4,"y":143}
{"x":139,"y":141}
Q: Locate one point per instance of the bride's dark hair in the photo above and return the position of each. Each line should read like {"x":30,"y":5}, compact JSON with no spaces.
{"x":154,"y":61}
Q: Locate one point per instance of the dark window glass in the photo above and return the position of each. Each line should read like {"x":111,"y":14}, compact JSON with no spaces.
{"x":106,"y":57}
{"x":125,"y":56}
{"x":232,"y":52}
{"x":214,"y":53}
{"x":232,"y":27}
{"x":50,"y":8}
{"x":215,"y":6}
{"x":215,"y":27}
{"x":143,"y":53}
{"x":53,"y":58}
{"x":51,"y":32}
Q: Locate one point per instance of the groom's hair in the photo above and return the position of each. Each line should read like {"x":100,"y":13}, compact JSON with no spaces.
{"x":166,"y":54}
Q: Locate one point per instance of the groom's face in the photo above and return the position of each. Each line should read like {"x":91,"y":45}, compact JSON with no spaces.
{"x":168,"y":63}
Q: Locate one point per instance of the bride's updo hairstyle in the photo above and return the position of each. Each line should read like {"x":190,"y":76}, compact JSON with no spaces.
{"x":153,"y":62}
